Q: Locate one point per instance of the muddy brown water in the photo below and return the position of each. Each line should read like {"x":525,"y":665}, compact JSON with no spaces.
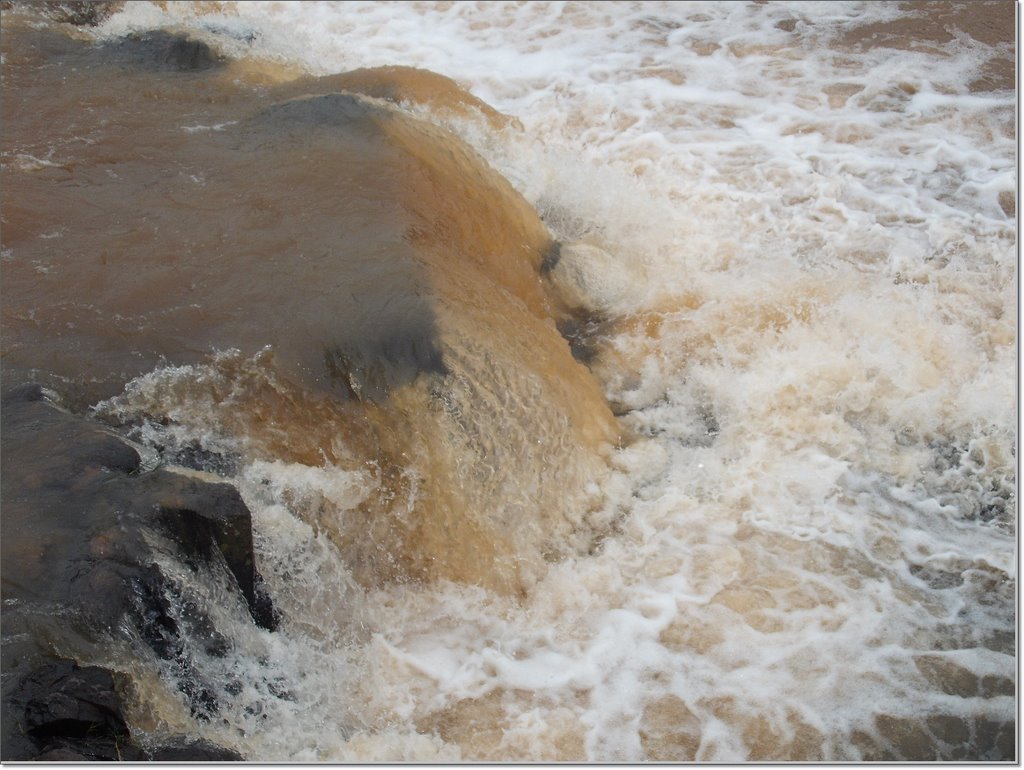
{"x":162,"y":205}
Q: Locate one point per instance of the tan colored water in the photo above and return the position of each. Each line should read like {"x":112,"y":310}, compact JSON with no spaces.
{"x":391,"y":276}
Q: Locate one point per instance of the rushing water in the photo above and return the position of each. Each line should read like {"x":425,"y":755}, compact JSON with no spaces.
{"x":796,"y":537}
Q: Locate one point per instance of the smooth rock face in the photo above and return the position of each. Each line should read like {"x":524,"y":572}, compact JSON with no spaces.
{"x":78,"y":567}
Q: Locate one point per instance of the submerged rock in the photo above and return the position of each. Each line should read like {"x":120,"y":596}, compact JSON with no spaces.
{"x":408,"y":85}
{"x":394,"y":276}
{"x":486,"y":431}
{"x":80,"y":566}
{"x":164,"y":50}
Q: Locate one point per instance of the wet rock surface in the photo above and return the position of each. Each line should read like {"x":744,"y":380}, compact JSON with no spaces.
{"x":81,"y":520}
{"x":72,"y":713}
{"x":163,"y":51}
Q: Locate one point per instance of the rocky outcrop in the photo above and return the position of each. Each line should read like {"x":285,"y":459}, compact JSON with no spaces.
{"x":367,"y":261}
{"x":447,"y":336}
{"x":82,"y":525}
{"x":72,"y":713}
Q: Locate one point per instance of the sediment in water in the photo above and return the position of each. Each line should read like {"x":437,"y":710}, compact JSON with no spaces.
{"x":386,"y":279}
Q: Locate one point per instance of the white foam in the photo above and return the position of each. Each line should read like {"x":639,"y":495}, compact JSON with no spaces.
{"x":213,"y":127}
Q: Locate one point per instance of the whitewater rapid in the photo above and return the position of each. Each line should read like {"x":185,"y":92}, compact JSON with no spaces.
{"x":813,"y":530}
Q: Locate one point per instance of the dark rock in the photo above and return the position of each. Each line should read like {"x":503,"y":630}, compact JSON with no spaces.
{"x":583,"y":334}
{"x":61,"y":755}
{"x":195,"y":751}
{"x":73,"y":699}
{"x":73,"y":713}
{"x":552,"y":254}
{"x":196,"y":457}
{"x":78,"y":564}
{"x":77,"y":488}
{"x":203,"y":518}
{"x":339,"y":111}
{"x":163,"y":50}
{"x":30,"y":391}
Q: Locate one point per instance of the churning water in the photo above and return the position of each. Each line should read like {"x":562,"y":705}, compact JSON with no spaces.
{"x":791,"y":532}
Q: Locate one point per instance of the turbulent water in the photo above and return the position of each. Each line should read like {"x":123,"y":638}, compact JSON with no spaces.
{"x":791,"y":532}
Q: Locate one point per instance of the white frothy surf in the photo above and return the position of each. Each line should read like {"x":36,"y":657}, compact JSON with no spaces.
{"x":817,"y":545}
